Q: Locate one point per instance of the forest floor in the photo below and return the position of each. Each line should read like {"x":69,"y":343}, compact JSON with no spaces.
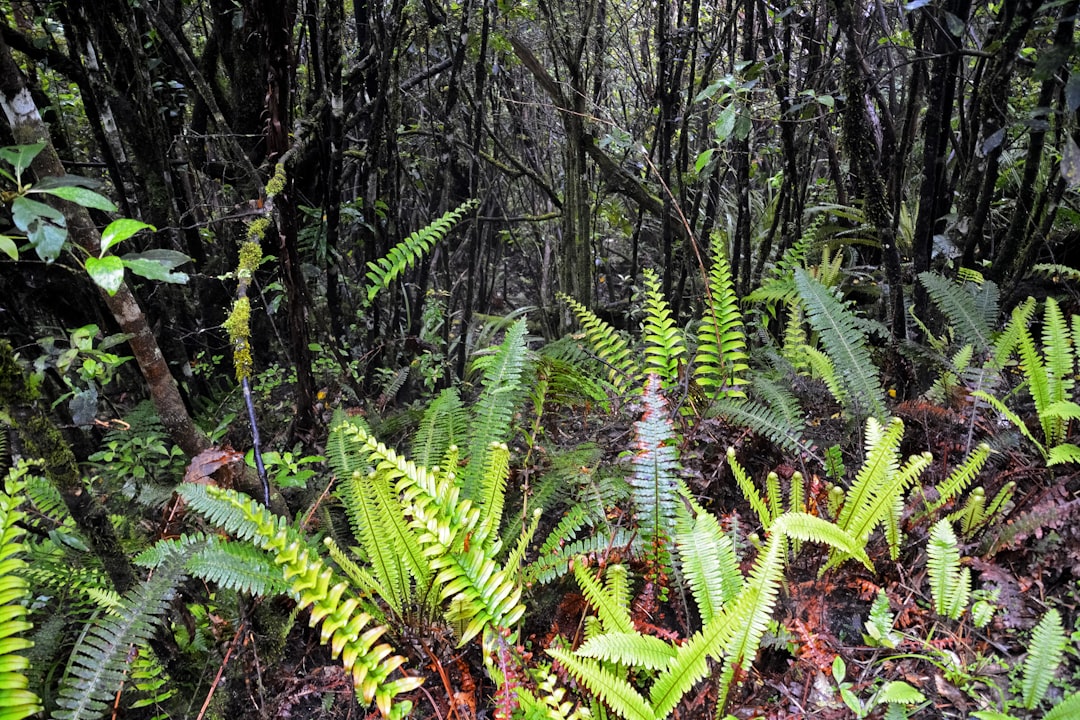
{"x":1029,"y":558}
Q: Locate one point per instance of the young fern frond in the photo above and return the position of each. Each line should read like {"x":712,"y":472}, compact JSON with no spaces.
{"x":950,"y":585}
{"x":16,"y":699}
{"x":845,"y":342}
{"x":720,"y":365}
{"x":99,"y":661}
{"x":961,"y":476}
{"x":1044,"y":656}
{"x":615,"y":692}
{"x":494,"y":410}
{"x":611,"y":599}
{"x":612,"y":349}
{"x":405,"y":254}
{"x":664,"y":343}
{"x":344,"y":627}
{"x":750,"y":492}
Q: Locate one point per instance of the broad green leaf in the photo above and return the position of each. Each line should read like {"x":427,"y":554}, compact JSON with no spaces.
{"x":80,"y":196}
{"x":107,"y":272}
{"x":703,"y":160}
{"x":153,"y":270}
{"x":20,"y":156}
{"x":826,"y":100}
{"x":726,"y":123}
{"x":8,"y":247}
{"x":119,"y":230}
{"x":169,"y":258}
{"x":47,"y":238}
{"x":25,"y":211}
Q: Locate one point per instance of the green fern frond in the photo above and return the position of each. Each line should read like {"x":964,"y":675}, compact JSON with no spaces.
{"x":344,"y":628}
{"x":16,"y":699}
{"x":720,"y":365}
{"x":610,"y":599}
{"x":465,"y":572}
{"x":1067,"y":709}
{"x":630,"y":649}
{"x":961,"y":476}
{"x":404,"y":255}
{"x":1044,"y":656}
{"x":845,"y":342}
{"x":766,"y":422}
{"x":708,"y":560}
{"x":779,"y":398}
{"x":443,"y":424}
{"x":664,"y":343}
{"x":494,"y":410}
{"x":492,"y":492}
{"x":612,"y":349}
{"x":618,"y":694}
{"x":821,"y":367}
{"x":561,"y":561}
{"x":99,"y":662}
{"x":1009,"y":337}
{"x":236,"y":566}
{"x":968,"y":318}
{"x":950,"y":585}
{"x":750,"y":492}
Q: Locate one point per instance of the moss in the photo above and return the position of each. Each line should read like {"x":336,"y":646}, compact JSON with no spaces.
{"x":256,"y":229}
{"x":13,"y":388}
{"x":277,"y":183}
{"x":238,"y":325}
{"x":250,"y":255}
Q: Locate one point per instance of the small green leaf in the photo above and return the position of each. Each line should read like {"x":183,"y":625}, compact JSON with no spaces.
{"x":159,"y":270}
{"x":47,"y":239}
{"x":119,"y":230}
{"x":826,"y":100}
{"x":80,"y":196}
{"x":20,"y":156}
{"x":169,"y":258}
{"x":898,"y":691}
{"x":726,"y":123}
{"x":25,"y":211}
{"x":8,"y":247}
{"x":107,"y":272}
{"x":703,"y":160}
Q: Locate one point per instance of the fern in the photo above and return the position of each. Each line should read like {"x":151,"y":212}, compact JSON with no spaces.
{"x":611,"y":348}
{"x":655,"y":482}
{"x":404,"y":255}
{"x":1044,"y":656}
{"x":767,"y":422}
{"x":720,"y":362}
{"x":494,"y":409}
{"x":845,"y":342}
{"x":664,"y":343}
{"x":313,"y":585}
{"x":971,"y":309}
{"x":99,"y":660}
{"x":16,"y":699}
{"x":561,"y":560}
{"x":708,"y":560}
{"x":443,"y":424}
{"x":961,"y":476}
{"x":950,"y":585}
{"x":235,"y":566}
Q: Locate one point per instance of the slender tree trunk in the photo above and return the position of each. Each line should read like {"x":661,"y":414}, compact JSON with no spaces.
{"x":27,"y":127}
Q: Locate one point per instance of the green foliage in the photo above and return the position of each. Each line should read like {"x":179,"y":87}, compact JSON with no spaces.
{"x":720,"y":363}
{"x":971,"y":307}
{"x":950,"y":584}
{"x":313,"y":585}
{"x":879,"y":625}
{"x":873,"y":498}
{"x":1044,"y":656}
{"x":404,"y":255}
{"x":99,"y":661}
{"x":231,"y":565}
{"x":664,"y":343}
{"x":610,"y":346}
{"x":1049,"y":376}
{"x":16,"y":699}
{"x":844,"y":340}
{"x":766,"y":421}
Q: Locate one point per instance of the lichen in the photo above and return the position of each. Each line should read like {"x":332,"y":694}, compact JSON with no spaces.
{"x":257,"y":228}
{"x":250,"y":257}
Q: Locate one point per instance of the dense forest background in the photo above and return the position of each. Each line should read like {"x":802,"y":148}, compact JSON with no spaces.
{"x":591,"y":246}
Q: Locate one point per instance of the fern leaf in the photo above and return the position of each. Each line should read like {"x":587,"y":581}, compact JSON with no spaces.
{"x":1057,"y":347}
{"x":494,"y":409}
{"x":443,"y":424}
{"x":943,"y":569}
{"x":624,"y":370}
{"x":664,"y":343}
{"x":611,"y":601}
{"x":720,"y":365}
{"x":630,"y":649}
{"x":99,"y":661}
{"x":1044,"y":656}
{"x":616,"y":693}
{"x":844,"y":342}
{"x":962,"y":476}
{"x":1066,"y":709}
{"x":749,"y":490}
{"x":562,"y":560}
{"x":766,"y":422}
{"x":404,"y":255}
{"x":708,"y":561}
{"x":967,"y":318}
{"x":16,"y":699}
